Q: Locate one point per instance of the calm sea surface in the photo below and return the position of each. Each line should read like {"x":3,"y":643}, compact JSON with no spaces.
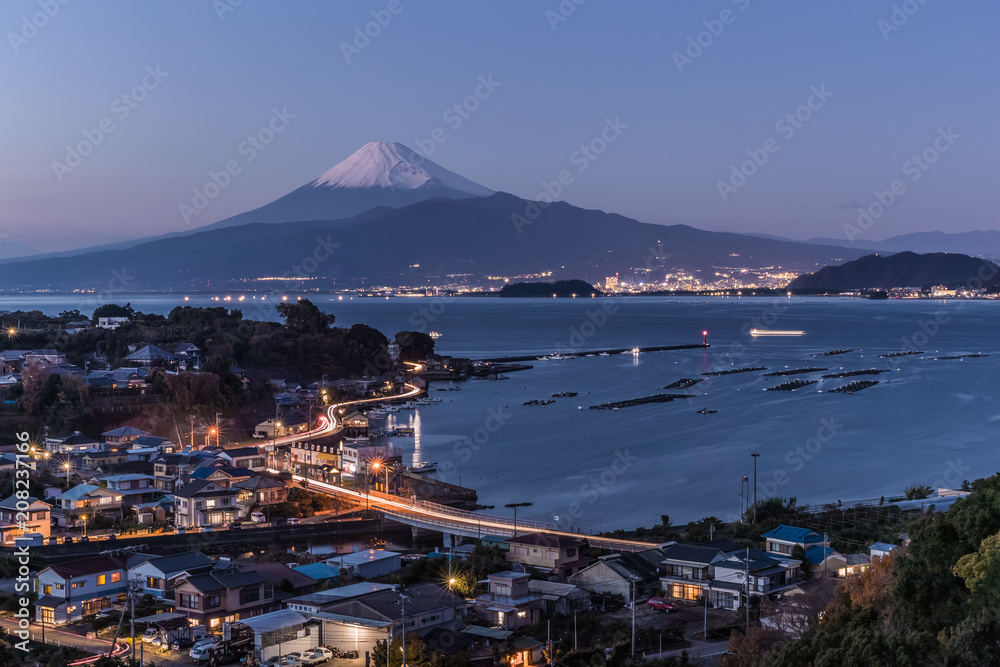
{"x":929,"y":421}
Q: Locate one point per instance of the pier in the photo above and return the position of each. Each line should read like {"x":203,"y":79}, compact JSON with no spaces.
{"x":857,"y":385}
{"x":594,"y":353}
{"x":792,"y":386}
{"x":658,"y":398}
{"x":795,"y":371}
{"x":732,"y":371}
{"x":850,"y":374}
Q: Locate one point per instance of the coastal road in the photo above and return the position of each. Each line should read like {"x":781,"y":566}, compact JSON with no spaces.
{"x":433,"y":516}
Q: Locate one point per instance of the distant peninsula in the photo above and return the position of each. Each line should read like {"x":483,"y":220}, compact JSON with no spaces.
{"x":904,"y":269}
{"x":560,"y":288}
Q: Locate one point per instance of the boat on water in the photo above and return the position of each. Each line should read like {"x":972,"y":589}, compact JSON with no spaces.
{"x":555,"y":356}
{"x":359,"y":439}
{"x":376,"y":413}
{"x":427,"y":467}
{"x":603,"y":354}
{"x":776,"y":332}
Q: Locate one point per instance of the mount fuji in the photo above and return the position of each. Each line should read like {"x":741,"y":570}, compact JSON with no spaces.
{"x":378,"y":174}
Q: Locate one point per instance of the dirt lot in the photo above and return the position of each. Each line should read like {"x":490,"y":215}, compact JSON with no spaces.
{"x":688,"y":619}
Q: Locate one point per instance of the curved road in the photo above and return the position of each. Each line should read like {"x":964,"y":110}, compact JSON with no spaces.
{"x":433,"y":513}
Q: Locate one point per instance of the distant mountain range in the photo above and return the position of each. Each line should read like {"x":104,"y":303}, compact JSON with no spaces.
{"x":423,"y":243}
{"x":386,"y":216}
{"x":905,"y":269}
{"x":985,"y":244}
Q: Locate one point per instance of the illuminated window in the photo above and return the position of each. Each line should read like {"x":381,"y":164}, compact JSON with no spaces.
{"x":101,"y":579}
{"x":116,"y":577}
{"x":47,"y":589}
{"x":521,"y":614}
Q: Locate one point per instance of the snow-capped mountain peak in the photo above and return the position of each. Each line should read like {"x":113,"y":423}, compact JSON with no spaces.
{"x":394,"y":166}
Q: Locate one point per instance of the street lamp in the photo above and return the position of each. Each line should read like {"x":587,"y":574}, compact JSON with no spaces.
{"x":66,"y":468}
{"x":515,"y":506}
{"x":84,"y":517}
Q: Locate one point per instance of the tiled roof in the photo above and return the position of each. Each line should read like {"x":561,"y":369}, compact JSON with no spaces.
{"x":689,"y":553}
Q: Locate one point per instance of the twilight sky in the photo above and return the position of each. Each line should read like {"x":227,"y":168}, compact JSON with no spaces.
{"x":198,"y":80}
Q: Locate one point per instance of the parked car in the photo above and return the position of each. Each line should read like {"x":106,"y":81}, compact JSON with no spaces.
{"x":661,"y":604}
{"x":257,"y":517}
{"x":112,"y":536}
{"x":68,"y":540}
{"x":181,"y":644}
{"x":181,"y":530}
{"x":207,"y":529}
{"x":235,"y":525}
{"x":293,"y":521}
{"x":202,"y":650}
{"x":85,"y":538}
{"x":149,"y":634}
{"x":317,"y":655}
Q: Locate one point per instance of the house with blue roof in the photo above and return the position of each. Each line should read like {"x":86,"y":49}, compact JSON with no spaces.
{"x":318,"y":571}
{"x":783,"y":539}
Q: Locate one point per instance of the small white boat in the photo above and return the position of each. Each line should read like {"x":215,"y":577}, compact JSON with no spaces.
{"x":603,"y":354}
{"x":775,"y":332}
{"x":377,"y":412}
{"x":427,"y":467}
{"x":434,"y":334}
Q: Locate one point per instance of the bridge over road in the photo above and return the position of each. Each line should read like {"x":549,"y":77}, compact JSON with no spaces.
{"x":450,"y":521}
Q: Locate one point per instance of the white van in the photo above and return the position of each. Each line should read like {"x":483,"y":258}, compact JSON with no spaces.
{"x":150,"y":634}
{"x":257,"y":517}
{"x":202,"y":650}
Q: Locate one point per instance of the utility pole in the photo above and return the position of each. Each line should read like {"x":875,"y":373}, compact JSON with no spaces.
{"x":191,"y":418}
{"x":131,"y":594}
{"x":755,"y":455}
{"x":706,"y":600}
{"x":402,"y":607}
{"x":744,"y":499}
{"x":218,"y":432}
{"x":515,"y":506}
{"x":746,"y":577}
{"x":632,"y":577}
{"x":548,"y":640}
{"x":574,"y":631}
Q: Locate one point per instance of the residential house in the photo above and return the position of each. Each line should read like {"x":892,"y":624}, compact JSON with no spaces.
{"x":134,"y":488}
{"x":782,"y":540}
{"x":881,"y":550}
{"x":87,"y":500}
{"x":121,"y":437}
{"x":159,"y":574}
{"x":509,"y":601}
{"x":32,"y":517}
{"x":687,"y":569}
{"x":74,"y":444}
{"x":427,"y":605}
{"x":319,"y":600}
{"x":12,"y":361}
{"x":204,"y":503}
{"x":356,"y":457}
{"x":161,"y":445}
{"x":111,"y":322}
{"x":156,"y":511}
{"x":188,"y":350}
{"x":766,"y":574}
{"x":93,"y":460}
{"x":230,"y":593}
{"x":556,"y":554}
{"x":50,"y":357}
{"x":256,"y":492}
{"x":171,"y":470}
{"x":79,"y":588}
{"x":854,"y":564}
{"x":150,"y":354}
{"x":219,"y":472}
{"x":316,"y":459}
{"x":253,"y":458}
{"x":559,"y":598}
{"x":615,"y":574}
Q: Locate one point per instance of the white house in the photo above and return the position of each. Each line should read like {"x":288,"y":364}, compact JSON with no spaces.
{"x":204,"y":503}
{"x":84,"y":587}
{"x":158,"y":573}
{"x":367,"y":564}
{"x":111,"y":322}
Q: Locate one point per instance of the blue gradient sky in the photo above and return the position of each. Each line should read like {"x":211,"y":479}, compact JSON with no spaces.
{"x":685,"y":129}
